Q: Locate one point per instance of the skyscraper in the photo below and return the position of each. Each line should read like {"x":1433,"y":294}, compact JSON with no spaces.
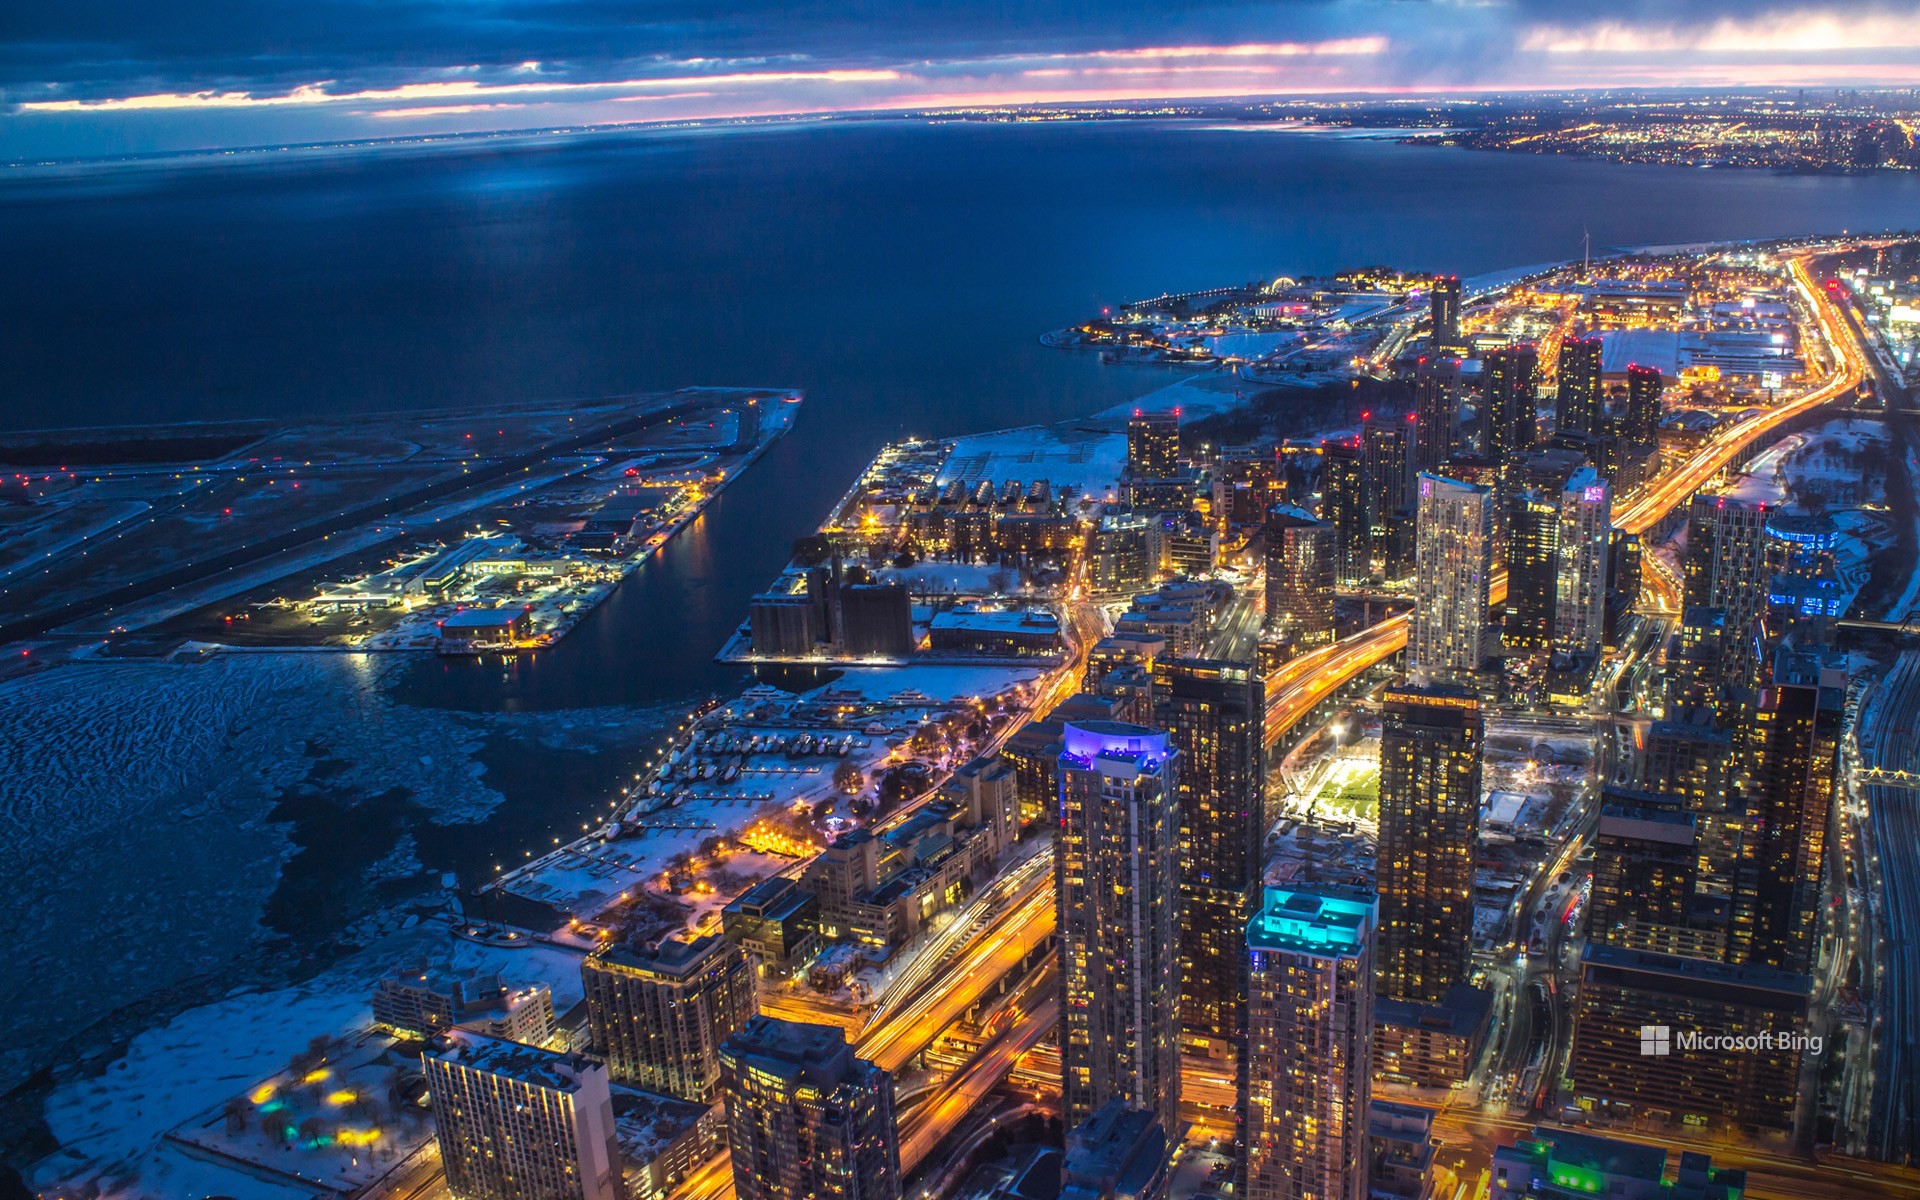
{"x":1640,"y":424}
{"x":1436,"y":410}
{"x":1117,"y":867}
{"x":807,"y":1119}
{"x":1580,"y":588}
{"x":1510,"y":385}
{"x":1453,"y":568}
{"x":1580,"y":408}
{"x":658,"y":1015}
{"x":1343,"y":504}
{"x":1726,"y":564}
{"x":1309,"y":1045}
{"x":1301,"y":552}
{"x":1386,"y":465}
{"x":1215,"y":715}
{"x":1444,"y":301}
{"x":1787,"y":747}
{"x":1645,"y":874}
{"x":1430,"y":739}
{"x":1533,"y":568}
{"x":1153,"y":444}
{"x":516,"y":1122}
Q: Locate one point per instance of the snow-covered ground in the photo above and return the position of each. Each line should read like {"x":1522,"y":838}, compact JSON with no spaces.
{"x":1090,"y":462}
{"x":965,"y":579}
{"x":110,"y":1126}
{"x":135,"y":802}
{"x":1195,"y":397}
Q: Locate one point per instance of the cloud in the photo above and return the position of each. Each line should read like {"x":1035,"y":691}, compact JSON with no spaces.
{"x":194,"y":73}
{"x":322,"y":93}
{"x":1799,"y":32}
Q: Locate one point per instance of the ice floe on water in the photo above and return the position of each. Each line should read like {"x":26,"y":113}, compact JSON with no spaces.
{"x":138,"y":824}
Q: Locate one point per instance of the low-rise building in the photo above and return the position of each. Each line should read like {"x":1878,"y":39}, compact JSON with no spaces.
{"x":777,"y":923}
{"x":1118,"y":1153}
{"x":1559,"y":1164}
{"x":1399,"y":1151}
{"x":421,"y":1003}
{"x":1434,"y":1045}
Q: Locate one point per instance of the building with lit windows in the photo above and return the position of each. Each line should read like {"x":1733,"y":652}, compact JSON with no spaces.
{"x":1301,"y":555}
{"x":1343,"y":504}
{"x":807,"y":1119}
{"x":1453,"y":569}
{"x":1580,"y":407}
{"x":1640,"y":423}
{"x":1444,"y":305}
{"x":1117,"y":871}
{"x":1646,"y":870}
{"x":1436,"y":410}
{"x":1561,"y":1164}
{"x":519,"y":1123}
{"x":1430,"y":741}
{"x":1787,"y":748}
{"x":1635,"y":1011}
{"x":659,"y":1014}
{"x":1533,"y":570}
{"x":1309,"y":1038}
{"x":1510,"y":383}
{"x":1580,"y":576}
{"x":1153,"y":445}
{"x":1386,"y":467}
{"x":1214,"y":712}
{"x":1118,"y":1153}
{"x":1727,"y":566}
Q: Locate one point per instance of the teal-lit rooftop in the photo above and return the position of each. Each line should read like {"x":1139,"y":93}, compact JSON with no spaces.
{"x":1326,"y":921}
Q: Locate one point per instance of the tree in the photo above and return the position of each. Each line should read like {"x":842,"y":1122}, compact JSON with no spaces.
{"x":848,"y":779}
{"x":236,"y":1111}
{"x":314,"y":1128}
{"x":904,"y":559}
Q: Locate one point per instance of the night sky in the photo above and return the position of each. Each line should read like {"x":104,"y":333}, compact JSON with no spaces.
{"x":88,"y":77}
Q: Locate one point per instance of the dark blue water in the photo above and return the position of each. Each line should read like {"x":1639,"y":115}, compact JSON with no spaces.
{"x":898,"y":272}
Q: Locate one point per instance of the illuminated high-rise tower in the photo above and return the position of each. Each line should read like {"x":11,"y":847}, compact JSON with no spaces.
{"x":516,"y":1121}
{"x":1580,"y":408}
{"x":1453,"y":569}
{"x":1153,"y":445}
{"x":1533,"y":565}
{"x":1310,"y":1045}
{"x":1786,"y":752}
{"x":1117,"y":867}
{"x":1215,"y":715}
{"x":1343,"y":504}
{"x":1640,"y":424}
{"x":1386,"y":465}
{"x":1444,"y":301}
{"x":807,"y":1119}
{"x":1510,"y":385}
{"x":1436,"y":410}
{"x":1580,"y":590}
{"x":658,"y":1015}
{"x":1301,"y":554}
{"x":1430,"y":740}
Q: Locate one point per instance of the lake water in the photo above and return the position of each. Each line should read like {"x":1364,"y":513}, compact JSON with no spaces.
{"x":899,"y":273}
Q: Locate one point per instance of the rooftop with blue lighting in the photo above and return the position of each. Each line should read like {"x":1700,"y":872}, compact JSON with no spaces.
{"x":1328,"y":921}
